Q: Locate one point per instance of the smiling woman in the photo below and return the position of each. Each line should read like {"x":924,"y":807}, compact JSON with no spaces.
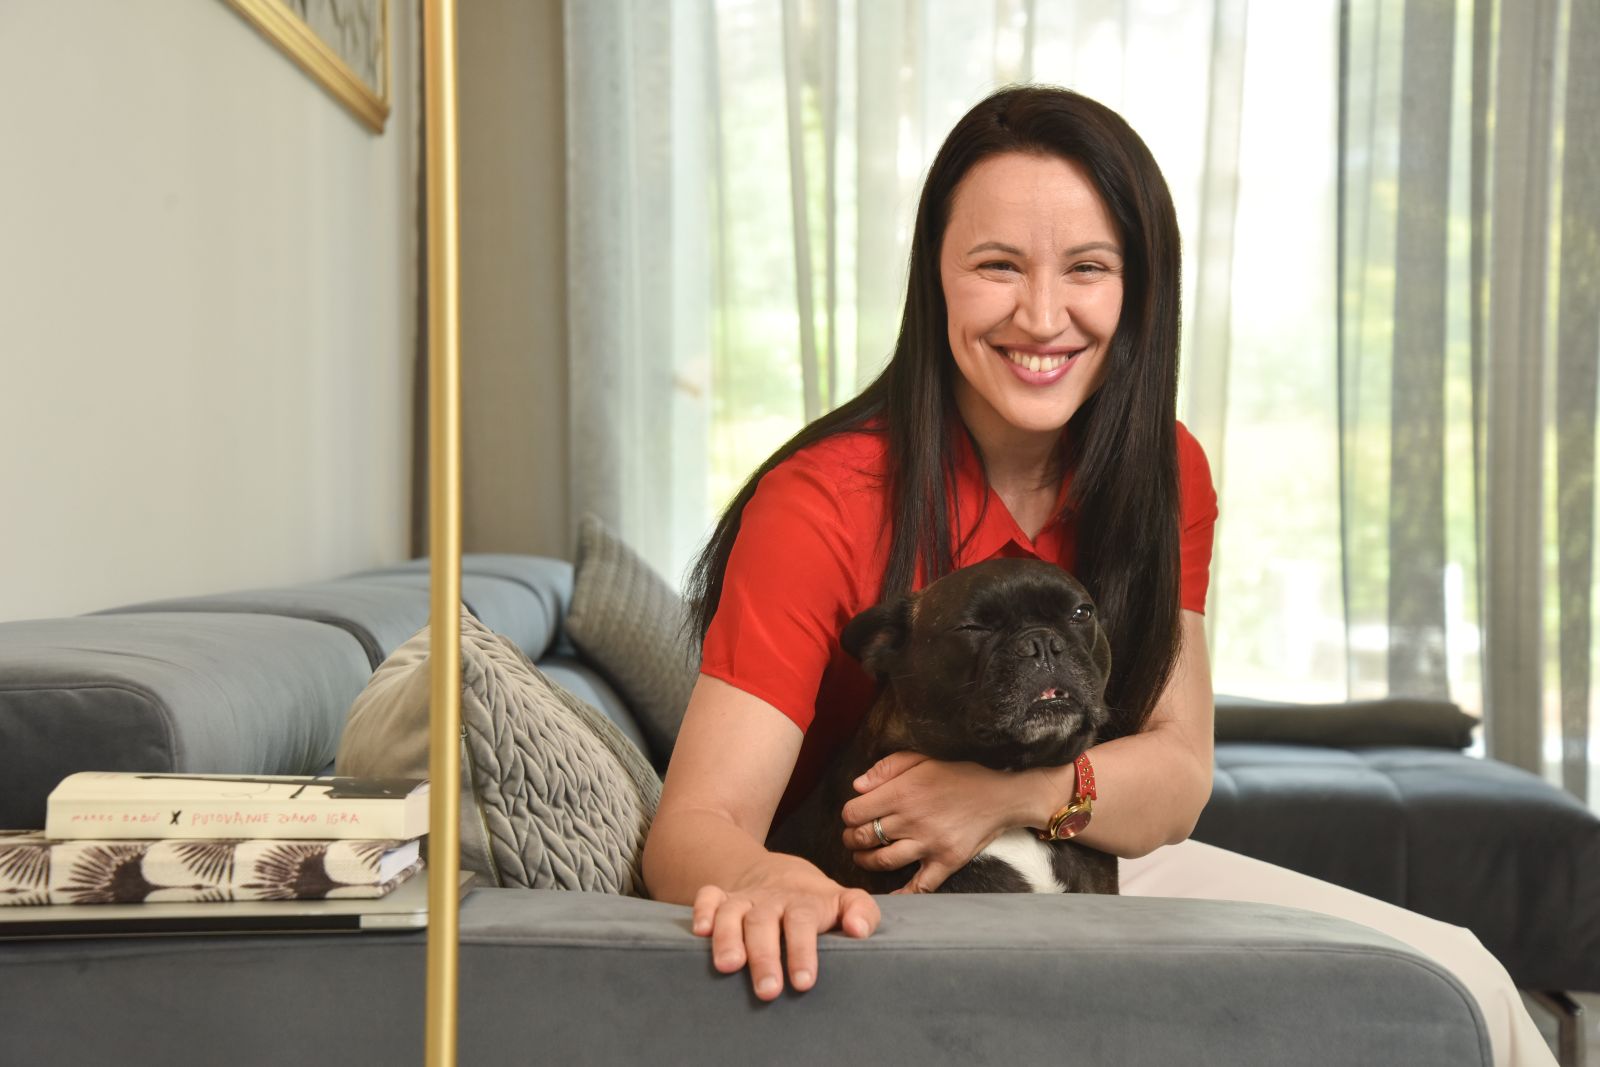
{"x":954,"y":455}
{"x":1028,"y":411}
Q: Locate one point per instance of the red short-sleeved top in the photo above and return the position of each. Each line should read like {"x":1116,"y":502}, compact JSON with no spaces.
{"x":810,"y":555}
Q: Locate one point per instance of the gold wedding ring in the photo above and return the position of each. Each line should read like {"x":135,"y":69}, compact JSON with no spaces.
{"x":877,"y":828}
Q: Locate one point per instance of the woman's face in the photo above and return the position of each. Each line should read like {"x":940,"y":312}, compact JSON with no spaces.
{"x":1032,"y":270}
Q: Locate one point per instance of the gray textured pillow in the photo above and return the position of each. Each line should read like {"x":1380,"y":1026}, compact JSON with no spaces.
{"x":628,"y":622}
{"x":553,"y":796}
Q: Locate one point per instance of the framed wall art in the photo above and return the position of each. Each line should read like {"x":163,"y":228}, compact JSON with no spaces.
{"x":342,"y":44}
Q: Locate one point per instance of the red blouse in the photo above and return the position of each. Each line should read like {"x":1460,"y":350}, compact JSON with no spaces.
{"x":810,"y":556}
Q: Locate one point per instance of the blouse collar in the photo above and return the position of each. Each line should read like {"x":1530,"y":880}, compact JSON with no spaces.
{"x":981,"y":527}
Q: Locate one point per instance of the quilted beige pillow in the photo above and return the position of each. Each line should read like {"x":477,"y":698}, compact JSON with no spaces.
{"x":629,"y":623}
{"x":553,"y":795}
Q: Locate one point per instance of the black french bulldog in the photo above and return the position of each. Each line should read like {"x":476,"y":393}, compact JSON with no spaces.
{"x":1002,"y":663}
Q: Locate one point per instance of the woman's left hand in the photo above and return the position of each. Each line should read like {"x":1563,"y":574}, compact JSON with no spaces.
{"x":942,"y":814}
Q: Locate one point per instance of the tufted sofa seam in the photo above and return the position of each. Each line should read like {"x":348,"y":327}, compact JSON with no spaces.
{"x":1406,"y":829}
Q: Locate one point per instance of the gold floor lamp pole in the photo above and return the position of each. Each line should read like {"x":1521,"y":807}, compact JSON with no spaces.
{"x":444,"y":526}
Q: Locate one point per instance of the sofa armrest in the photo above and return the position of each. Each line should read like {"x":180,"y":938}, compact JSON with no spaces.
{"x":996,"y":978}
{"x":575,"y":977}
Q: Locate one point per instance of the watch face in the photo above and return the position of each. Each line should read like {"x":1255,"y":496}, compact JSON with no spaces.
{"x":1072,"y":825}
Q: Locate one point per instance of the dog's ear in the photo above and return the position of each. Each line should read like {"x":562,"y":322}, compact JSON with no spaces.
{"x":876,"y":636}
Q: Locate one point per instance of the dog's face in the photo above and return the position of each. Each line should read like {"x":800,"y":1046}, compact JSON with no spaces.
{"x":1003,"y":663}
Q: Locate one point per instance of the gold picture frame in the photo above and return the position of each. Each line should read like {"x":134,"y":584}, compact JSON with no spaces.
{"x":353,"y":68}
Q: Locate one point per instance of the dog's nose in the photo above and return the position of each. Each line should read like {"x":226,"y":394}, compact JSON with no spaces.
{"x":1040,"y":645}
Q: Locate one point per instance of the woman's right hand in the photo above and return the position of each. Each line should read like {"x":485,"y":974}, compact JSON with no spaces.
{"x":785,"y":899}
{"x":707,"y":844}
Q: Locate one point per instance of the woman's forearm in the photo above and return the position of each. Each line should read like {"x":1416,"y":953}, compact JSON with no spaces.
{"x":1150,"y":790}
{"x":1151,"y":785}
{"x":715,"y":810}
{"x":691,"y":848}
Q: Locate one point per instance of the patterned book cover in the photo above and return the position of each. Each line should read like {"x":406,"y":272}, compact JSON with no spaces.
{"x":35,"y":869}
{"x":100,"y":805}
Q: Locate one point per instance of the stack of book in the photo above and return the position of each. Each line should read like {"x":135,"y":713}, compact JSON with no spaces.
{"x":122,"y":838}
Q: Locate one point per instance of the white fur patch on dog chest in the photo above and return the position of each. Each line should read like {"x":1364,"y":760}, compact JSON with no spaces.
{"x":1023,"y":852}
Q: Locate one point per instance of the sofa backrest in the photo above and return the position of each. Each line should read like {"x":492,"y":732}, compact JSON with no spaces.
{"x":255,"y":682}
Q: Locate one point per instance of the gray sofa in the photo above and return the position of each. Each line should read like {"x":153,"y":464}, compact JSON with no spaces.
{"x":260,"y":682}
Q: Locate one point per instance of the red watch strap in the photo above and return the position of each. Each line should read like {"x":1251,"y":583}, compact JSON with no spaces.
{"x":1085,"y":777}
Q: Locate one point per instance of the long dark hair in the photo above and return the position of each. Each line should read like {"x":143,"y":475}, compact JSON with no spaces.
{"x":1121,"y":444}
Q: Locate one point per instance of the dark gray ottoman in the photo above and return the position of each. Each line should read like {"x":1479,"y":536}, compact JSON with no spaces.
{"x":1472,"y":842}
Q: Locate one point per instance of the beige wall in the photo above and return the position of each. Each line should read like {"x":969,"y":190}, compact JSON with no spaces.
{"x":207,"y":318}
{"x":513,"y":278}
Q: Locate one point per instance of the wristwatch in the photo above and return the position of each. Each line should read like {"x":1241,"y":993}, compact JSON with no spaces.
{"x":1070,"y":821}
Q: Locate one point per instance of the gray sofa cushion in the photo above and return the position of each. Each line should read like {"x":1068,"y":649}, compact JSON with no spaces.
{"x":1473,"y":842}
{"x":381,"y":610}
{"x":583,"y":682}
{"x":547,"y":581}
{"x":630,"y":624}
{"x":506,"y":607}
{"x":589,"y":978}
{"x":248,"y":694}
{"x":554,"y":797}
{"x":1390,"y":721}
{"x":541,"y":575}
{"x":377,"y":615}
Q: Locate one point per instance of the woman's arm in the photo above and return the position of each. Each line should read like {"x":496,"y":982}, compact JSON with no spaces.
{"x":1151,"y":787}
{"x":732,"y":759}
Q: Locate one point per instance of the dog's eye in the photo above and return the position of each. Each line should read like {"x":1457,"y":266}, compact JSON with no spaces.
{"x":972,"y":628}
{"x":1083,"y":613}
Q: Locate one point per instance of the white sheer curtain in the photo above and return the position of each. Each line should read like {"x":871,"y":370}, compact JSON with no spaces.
{"x":742,"y":180}
{"x":642,"y":295}
{"x":1469,"y":318}
{"x":742,"y":177}
{"x":1390,"y":306}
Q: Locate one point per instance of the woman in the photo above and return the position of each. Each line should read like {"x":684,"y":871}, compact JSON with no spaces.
{"x":1028,"y":409}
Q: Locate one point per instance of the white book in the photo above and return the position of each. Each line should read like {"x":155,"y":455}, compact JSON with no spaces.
{"x":126,"y":804}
